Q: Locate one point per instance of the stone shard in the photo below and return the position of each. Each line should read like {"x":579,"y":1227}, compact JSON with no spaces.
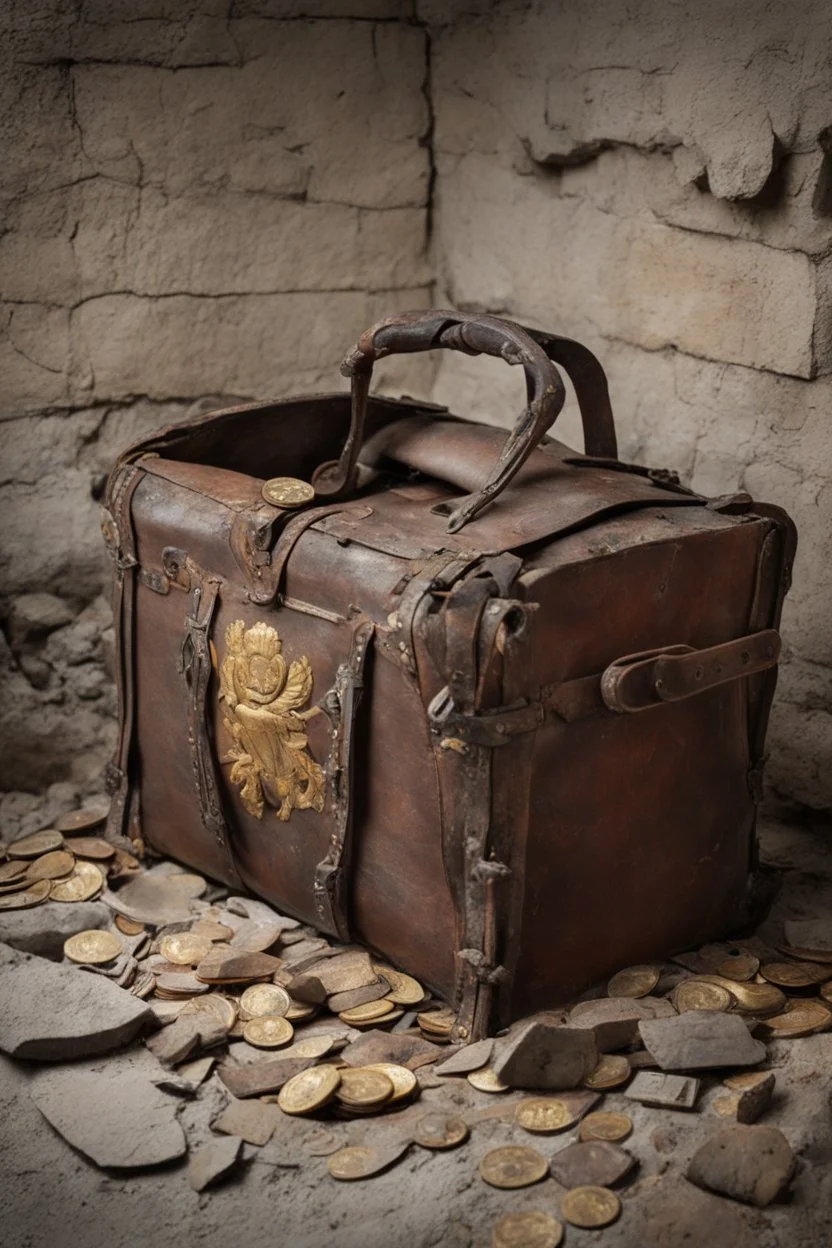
{"x":749,"y":1097}
{"x":615,"y":1020}
{"x":701,"y":1040}
{"x":252,"y":1121}
{"x":809,"y":934}
{"x":382,"y":1046}
{"x":595,"y":1163}
{"x":355,"y":996}
{"x":254,"y":936}
{"x":42,"y":930}
{"x":259,"y":912}
{"x":543,"y":1055}
{"x":117,"y":1118}
{"x":213,"y":1161}
{"x":258,"y":1078}
{"x":185,"y":1036}
{"x":472,"y":1057}
{"x":53,"y":1013}
{"x":221,"y":965}
{"x":664,"y":1091}
{"x":751,"y":1164}
{"x":306,"y":988}
{"x":150,"y":898}
{"x":345,"y":971}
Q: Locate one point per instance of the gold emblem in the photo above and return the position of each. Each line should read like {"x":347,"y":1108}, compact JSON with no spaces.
{"x":262,"y":701}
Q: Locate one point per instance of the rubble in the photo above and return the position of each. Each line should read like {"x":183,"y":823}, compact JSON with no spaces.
{"x":252,"y":1121}
{"x":614,"y":1020}
{"x":44,"y":930}
{"x":542,"y":1055}
{"x":700,"y":1040}
{"x":751,"y":1164}
{"x":595,"y":1162}
{"x":663,"y":1091}
{"x":213,"y":1161}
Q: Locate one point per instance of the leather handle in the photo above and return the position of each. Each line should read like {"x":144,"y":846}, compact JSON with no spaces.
{"x":472,"y":335}
{"x":639,"y":681}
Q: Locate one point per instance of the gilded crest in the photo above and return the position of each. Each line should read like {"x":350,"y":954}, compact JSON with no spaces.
{"x":262,"y":702}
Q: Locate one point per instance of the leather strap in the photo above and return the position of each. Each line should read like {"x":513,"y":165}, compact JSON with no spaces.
{"x":196,"y":667}
{"x":270,"y":576}
{"x":342,"y":702}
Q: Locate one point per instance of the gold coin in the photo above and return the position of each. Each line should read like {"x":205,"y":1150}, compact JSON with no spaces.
{"x":85,"y":882}
{"x":309,"y":1090}
{"x":759,"y":999}
{"x":438,"y":1130}
{"x":404,"y":989}
{"x":605,"y":1126}
{"x":128,"y":927}
{"x":826,"y":991}
{"x":513,"y":1166}
{"x":11,"y":872}
{"x":52,"y":866}
{"x":486,"y":1081}
{"x":794,"y":974}
{"x":369,"y":1024}
{"x":802,"y":1018}
{"x":28,"y":897}
{"x":90,"y":847}
{"x":189,"y":884}
{"x":611,"y":1072}
{"x":530,"y":1229}
{"x":366,"y":1013}
{"x":298,"y":1012}
{"x":404,"y":1081}
{"x":543,"y":1115}
{"x":267,"y":1032}
{"x":287,"y":492}
{"x":692,"y":994}
{"x":223,"y":1009}
{"x":15,"y":886}
{"x":438,"y":1022}
{"x":184,"y":949}
{"x":261,"y":999}
{"x":356,"y":1162}
{"x":590,"y":1206}
{"x":741,"y":966}
{"x":93,"y":947}
{"x":78,"y":820}
{"x":313,"y":1046}
{"x":634,"y":981}
{"x":35,"y":844}
{"x":362,"y":1086}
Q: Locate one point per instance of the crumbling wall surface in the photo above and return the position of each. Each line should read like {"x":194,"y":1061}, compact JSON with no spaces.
{"x":655,"y":178}
{"x":201,"y":203}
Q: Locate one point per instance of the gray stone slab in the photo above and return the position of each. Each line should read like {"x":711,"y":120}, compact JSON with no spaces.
{"x":117,"y":1118}
{"x":614,"y":1020}
{"x":751,"y":1164}
{"x":701,"y":1040}
{"x":51,"y":1012}
{"x":43,"y":929}
{"x":213,"y":1161}
{"x":543,"y":1055}
{"x":663,"y":1091}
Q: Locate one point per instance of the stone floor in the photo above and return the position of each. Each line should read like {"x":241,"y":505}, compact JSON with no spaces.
{"x":281,"y":1195}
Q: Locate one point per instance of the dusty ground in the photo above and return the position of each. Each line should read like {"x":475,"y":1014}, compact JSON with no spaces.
{"x":50,"y":1195}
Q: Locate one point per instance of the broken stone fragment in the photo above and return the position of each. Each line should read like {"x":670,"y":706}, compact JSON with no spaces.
{"x":543,"y":1055}
{"x":664,"y":1091}
{"x":748,"y":1096}
{"x":700,"y":1040}
{"x":356,"y":996}
{"x":229,"y":965}
{"x":306,"y":988}
{"x":472,"y":1057}
{"x":258,"y":1078}
{"x":213,"y":1161}
{"x":150,"y":898}
{"x":809,"y":934}
{"x":614,"y":1020}
{"x":184,"y":1037}
{"x":383,"y":1046}
{"x":256,"y":937}
{"x":259,"y":912}
{"x":252,"y":1121}
{"x":43,"y":930}
{"x":117,"y":1118}
{"x":53,"y":1013}
{"x":594,"y":1163}
{"x":344,"y":972}
{"x":751,"y":1164}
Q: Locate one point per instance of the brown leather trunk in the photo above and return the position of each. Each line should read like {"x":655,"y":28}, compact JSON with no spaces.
{"x":509,"y":735}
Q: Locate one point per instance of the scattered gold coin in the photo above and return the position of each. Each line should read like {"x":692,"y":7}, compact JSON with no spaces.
{"x":313,"y":1046}
{"x":28,"y":897}
{"x":265,"y":1032}
{"x":356,"y":1162}
{"x":543,"y":1115}
{"x":513,"y":1166}
{"x":759,"y":999}
{"x":221,"y":1008}
{"x":128,"y":927}
{"x":35,"y":844}
{"x":826,"y":991}
{"x":11,"y":872}
{"x":287,"y":492}
{"x":184,"y":949}
{"x":486,"y":1081}
{"x":364,"y":1087}
{"x":437,"y":1022}
{"x":634,"y":981}
{"x":90,"y":847}
{"x":85,"y":882}
{"x":93,"y":947}
{"x":692,"y":994}
{"x":298,"y":1012}
{"x":438,"y":1130}
{"x":52,"y":866}
{"x":740,"y":966}
{"x":367,"y":1013}
{"x":590,"y":1206}
{"x":794,"y":974}
{"x":611,"y":1072}
{"x":404,"y":989}
{"x":802,"y":1018}
{"x":80,"y":820}
{"x":261,"y":999}
{"x":605,"y":1126}
{"x":309,"y":1090}
{"x":404,"y":1081}
{"x":531,"y":1228}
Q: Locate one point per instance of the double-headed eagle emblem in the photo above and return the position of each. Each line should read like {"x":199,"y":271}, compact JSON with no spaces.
{"x":261,"y":703}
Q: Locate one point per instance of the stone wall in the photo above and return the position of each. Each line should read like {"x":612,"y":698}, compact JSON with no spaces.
{"x":655,"y":178}
{"x":202,"y":203}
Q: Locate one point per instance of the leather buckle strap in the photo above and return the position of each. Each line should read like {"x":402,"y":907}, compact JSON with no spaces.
{"x":638,"y":681}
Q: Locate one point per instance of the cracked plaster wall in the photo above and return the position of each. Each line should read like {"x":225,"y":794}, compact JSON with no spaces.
{"x":652,"y":177}
{"x":206,"y":201}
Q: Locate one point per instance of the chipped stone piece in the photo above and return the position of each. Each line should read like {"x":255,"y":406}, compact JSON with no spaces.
{"x":701,"y":1040}
{"x":664,"y":1091}
{"x":213,"y":1161}
{"x":150,"y":898}
{"x":597,"y":1163}
{"x":345,"y":971}
{"x":55,"y":1013}
{"x":815,"y":934}
{"x":614,"y":1020}
{"x":383,"y":1046}
{"x":184,"y":1036}
{"x":472,"y":1057}
{"x":307,"y":989}
{"x":44,"y":929}
{"x":252,"y":1121}
{"x":542,"y":1055}
{"x":257,"y":1078}
{"x":751,"y":1164}
{"x":340,"y":1001}
{"x":748,"y":1097}
{"x":229,"y":965}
